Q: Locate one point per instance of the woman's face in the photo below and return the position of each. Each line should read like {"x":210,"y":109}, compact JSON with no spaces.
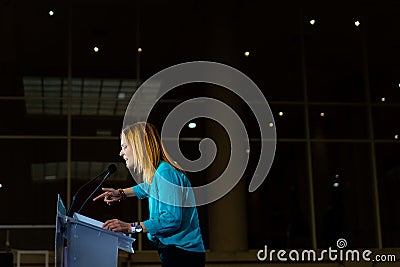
{"x":126,"y":152}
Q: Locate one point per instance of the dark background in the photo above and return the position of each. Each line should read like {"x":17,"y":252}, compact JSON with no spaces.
{"x":62,"y":107}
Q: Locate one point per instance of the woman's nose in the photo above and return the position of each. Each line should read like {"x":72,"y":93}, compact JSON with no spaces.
{"x":121,"y":153}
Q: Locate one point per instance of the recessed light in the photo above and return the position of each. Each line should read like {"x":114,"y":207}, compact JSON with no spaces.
{"x":357,"y":23}
{"x":336,"y":184}
{"x":312,"y":22}
{"x":247,"y":53}
{"x":51,"y":12}
{"x":280,"y":113}
{"x":139,"y":49}
{"x":396,"y":137}
{"x":322,"y":114}
{"x":96,"y":49}
{"x":192,"y":125}
{"x":271,"y":124}
{"x":337,"y":176}
{"x":383,"y":99}
{"x":1,"y":185}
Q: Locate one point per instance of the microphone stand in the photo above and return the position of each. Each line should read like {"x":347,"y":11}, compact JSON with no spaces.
{"x":109,"y":172}
{"x":71,"y":208}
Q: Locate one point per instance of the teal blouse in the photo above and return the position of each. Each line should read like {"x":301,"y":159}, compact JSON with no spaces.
{"x":173,"y":214}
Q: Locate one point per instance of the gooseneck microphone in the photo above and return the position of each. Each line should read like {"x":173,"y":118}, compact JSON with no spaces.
{"x":110,"y":170}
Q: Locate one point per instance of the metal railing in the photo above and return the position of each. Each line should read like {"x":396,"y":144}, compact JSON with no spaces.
{"x":19,"y":252}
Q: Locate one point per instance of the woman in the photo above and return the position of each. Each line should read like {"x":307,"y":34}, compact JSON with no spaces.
{"x":173,"y":224}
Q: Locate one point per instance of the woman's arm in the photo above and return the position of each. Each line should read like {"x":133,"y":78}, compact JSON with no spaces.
{"x":120,"y":226}
{"x":167,"y":218}
{"x":129,"y":192}
{"x":111,"y":194}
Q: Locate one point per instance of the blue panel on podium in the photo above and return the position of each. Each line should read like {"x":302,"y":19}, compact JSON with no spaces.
{"x":90,"y":247}
{"x":82,"y":242}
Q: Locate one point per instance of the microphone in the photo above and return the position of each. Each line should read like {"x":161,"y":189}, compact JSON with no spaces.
{"x":110,"y":170}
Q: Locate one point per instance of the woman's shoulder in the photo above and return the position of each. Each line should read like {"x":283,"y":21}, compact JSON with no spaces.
{"x":168,"y":172}
{"x":165,"y":166}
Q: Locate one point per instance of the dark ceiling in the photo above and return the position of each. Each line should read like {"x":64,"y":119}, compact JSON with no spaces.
{"x":170,"y":32}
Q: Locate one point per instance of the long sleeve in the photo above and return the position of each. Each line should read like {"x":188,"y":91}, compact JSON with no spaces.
{"x":141,"y":190}
{"x":166,"y":210}
{"x":172,"y":221}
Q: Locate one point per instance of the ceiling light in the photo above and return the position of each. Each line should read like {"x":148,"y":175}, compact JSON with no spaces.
{"x":247,"y":150}
{"x":396,"y":137}
{"x":383,"y":99}
{"x":357,"y":23}
{"x":1,"y":185}
{"x":322,"y":114}
{"x":337,"y":176}
{"x":312,"y":22}
{"x":139,"y":49}
{"x":121,"y":95}
{"x":96,"y":49}
{"x":271,"y":125}
{"x":192,"y":125}
{"x":280,"y":113}
{"x":336,"y":184}
{"x":51,"y":12}
{"x":247,"y":53}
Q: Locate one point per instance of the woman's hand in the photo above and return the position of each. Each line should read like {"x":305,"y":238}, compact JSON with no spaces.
{"x":118,"y":226}
{"x":110,"y":195}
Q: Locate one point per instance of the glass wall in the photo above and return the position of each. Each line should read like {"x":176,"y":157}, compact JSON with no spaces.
{"x":70,"y":68}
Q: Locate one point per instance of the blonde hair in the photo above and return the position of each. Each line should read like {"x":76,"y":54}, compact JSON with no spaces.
{"x":148,"y":150}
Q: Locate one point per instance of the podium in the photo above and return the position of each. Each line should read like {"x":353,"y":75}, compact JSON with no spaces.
{"x":81,"y":242}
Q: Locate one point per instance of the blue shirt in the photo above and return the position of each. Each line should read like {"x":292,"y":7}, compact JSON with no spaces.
{"x":173,"y":214}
